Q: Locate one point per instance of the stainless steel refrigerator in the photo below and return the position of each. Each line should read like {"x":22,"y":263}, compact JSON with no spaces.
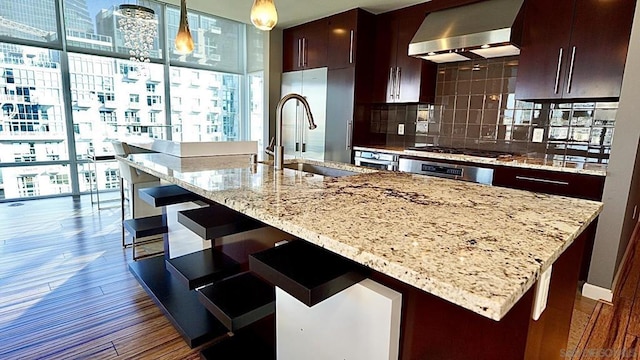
{"x":297,"y":139}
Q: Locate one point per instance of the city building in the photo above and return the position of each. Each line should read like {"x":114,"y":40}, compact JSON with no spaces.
{"x":110,"y":97}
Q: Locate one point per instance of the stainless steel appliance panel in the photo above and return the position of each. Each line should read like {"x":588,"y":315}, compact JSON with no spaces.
{"x":376,"y":160}
{"x":450,"y":171}
{"x":298,"y":140}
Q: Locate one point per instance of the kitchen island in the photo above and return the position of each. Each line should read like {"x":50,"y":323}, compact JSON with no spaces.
{"x":464,"y":256}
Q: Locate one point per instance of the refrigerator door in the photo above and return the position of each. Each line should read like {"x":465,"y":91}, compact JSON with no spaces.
{"x":291,"y":137}
{"x":298,"y":140}
{"x":314,"y":89}
{"x":340,"y":95}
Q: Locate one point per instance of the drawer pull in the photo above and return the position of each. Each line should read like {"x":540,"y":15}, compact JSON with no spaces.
{"x":546,"y":181}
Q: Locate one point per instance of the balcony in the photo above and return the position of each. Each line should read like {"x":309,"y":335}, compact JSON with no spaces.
{"x":155,"y":77}
{"x":196,"y":109}
{"x":134,"y":106}
{"x":110,"y":104}
{"x":83,"y":103}
{"x":214,"y":83}
{"x":44,"y":100}
{"x":132,"y":76}
{"x":195,"y":82}
{"x":176,"y":107}
{"x":157,"y":107}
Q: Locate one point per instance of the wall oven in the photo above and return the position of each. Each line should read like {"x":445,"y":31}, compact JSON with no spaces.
{"x":376,"y":160}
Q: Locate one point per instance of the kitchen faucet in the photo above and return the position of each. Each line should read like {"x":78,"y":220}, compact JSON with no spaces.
{"x":278,"y":150}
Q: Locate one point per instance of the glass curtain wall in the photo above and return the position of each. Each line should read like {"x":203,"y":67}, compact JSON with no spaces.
{"x":64,"y":97}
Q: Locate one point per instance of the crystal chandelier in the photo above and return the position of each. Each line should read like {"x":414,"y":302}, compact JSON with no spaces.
{"x":139,"y":27}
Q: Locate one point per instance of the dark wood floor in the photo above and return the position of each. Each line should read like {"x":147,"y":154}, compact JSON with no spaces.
{"x":66,"y":293}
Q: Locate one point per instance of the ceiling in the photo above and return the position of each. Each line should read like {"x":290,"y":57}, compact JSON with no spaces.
{"x":293,"y":12}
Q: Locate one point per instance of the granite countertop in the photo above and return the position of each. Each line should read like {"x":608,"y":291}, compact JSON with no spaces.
{"x":477,"y":246}
{"x":515,"y":161}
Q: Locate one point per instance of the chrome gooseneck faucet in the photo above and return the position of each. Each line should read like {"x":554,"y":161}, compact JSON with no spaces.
{"x":278,"y":149}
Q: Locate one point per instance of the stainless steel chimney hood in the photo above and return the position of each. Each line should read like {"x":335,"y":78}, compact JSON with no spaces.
{"x":488,"y":28}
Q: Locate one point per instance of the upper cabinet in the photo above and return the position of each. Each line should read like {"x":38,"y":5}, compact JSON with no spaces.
{"x":342,"y":33}
{"x":305,"y":46}
{"x":574,"y":49}
{"x":398,"y":76}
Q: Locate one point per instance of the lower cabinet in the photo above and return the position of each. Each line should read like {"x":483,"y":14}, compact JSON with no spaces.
{"x":581,"y":186}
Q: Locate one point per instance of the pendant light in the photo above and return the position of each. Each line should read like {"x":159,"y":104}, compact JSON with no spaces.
{"x":264,"y":15}
{"x":184,"y":41}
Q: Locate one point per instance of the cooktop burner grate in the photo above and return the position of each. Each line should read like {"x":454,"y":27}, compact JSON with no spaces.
{"x":463,"y":151}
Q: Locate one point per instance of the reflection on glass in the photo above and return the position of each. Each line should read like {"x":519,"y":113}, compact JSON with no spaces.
{"x":113,"y":99}
{"x":204,"y":105}
{"x":29,"y":181}
{"x":97,"y":25}
{"x":218,"y":42}
{"x":33,"y":20}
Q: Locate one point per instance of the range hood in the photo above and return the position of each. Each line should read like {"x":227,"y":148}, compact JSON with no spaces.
{"x":489,"y":28}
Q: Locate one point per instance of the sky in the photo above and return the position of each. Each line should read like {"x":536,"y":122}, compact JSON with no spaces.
{"x":96,"y":5}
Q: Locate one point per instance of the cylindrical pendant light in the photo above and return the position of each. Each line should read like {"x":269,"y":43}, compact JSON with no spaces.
{"x":184,"y":41}
{"x":264,"y":15}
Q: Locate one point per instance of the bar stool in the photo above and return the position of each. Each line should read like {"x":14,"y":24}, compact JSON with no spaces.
{"x":145,"y":220}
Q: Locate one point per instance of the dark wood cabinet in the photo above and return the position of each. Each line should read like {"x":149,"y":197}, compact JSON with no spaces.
{"x":582,"y":186}
{"x":574,"y":49}
{"x":398,"y":76}
{"x":305,"y":46}
{"x":342,"y":35}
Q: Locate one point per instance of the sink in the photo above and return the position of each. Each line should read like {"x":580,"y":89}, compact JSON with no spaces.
{"x":319,"y":170}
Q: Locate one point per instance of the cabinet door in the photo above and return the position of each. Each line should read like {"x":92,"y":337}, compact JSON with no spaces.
{"x":415,"y":78}
{"x":600,"y":36}
{"x":291,"y":49}
{"x":342,"y":37}
{"x":315,"y":44}
{"x":545,"y":48}
{"x":385,"y":58}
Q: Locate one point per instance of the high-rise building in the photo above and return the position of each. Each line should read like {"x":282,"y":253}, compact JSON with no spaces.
{"x":76,"y":16}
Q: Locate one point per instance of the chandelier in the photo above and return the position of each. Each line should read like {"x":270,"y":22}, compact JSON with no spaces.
{"x":139,"y":27}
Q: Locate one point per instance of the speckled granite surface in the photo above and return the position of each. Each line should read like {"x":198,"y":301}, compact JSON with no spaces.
{"x":477,"y":246}
{"x":516,"y":161}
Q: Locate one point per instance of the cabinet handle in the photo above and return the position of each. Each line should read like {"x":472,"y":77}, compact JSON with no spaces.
{"x":573,"y":57}
{"x":546,"y":181}
{"x":299,"y":52}
{"x":351,"y":48}
{"x":555,"y":88}
{"x":304,"y":51}
{"x":392,"y":83}
{"x":398,"y":79}
{"x":349,"y":133}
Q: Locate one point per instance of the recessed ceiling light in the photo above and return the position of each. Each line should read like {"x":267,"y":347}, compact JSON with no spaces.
{"x":485,"y":46}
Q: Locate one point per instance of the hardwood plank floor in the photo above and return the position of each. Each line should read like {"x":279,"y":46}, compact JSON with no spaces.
{"x":614,"y":328}
{"x":66,"y":292}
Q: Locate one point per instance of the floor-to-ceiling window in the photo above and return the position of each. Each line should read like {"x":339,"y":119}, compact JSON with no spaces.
{"x":65,"y":97}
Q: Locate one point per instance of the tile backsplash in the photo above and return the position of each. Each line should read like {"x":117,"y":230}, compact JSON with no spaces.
{"x":475,"y":108}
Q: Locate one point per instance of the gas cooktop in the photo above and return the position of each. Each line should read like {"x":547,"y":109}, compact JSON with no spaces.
{"x":462,"y":151}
